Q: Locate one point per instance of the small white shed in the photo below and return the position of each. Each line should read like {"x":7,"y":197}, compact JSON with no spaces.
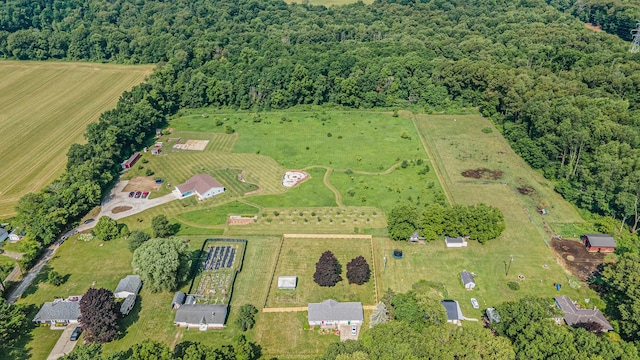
{"x":287,"y":282}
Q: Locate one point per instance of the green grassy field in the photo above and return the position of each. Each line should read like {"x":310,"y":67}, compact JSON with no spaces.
{"x":324,"y":201}
{"x":298,"y":258}
{"x":44,"y":108}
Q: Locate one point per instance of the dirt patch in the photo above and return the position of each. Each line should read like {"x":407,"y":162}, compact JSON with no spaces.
{"x":197,"y":145}
{"x":119,"y":209}
{"x":574,"y":257}
{"x":241,"y":220}
{"x":142,"y":183}
{"x":592,"y":27}
{"x":526,"y":190}
{"x":483,"y":173}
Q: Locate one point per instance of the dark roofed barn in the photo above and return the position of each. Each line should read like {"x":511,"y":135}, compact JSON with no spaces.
{"x":467,"y":280}
{"x":178,"y":299}
{"x":573,"y":315}
{"x":599,"y":243}
{"x":454,"y":313}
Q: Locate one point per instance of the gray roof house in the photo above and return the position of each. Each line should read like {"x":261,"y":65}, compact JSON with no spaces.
{"x":130,"y":285}
{"x":3,"y":234}
{"x":202,"y":317}
{"x":454,"y":313}
{"x":178,"y":300}
{"x":331,"y":314}
{"x":127,"y":305}
{"x":573,"y":315}
{"x":58,"y":312}
{"x":467,"y":280}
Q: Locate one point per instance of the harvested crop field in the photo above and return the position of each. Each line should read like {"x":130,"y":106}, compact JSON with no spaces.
{"x":575,"y":257}
{"x":44,"y":108}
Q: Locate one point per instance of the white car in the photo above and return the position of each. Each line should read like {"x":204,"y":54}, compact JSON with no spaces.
{"x":474,"y":303}
{"x":354,"y":330}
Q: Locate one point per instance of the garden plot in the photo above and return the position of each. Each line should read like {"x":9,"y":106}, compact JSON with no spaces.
{"x":220,"y":261}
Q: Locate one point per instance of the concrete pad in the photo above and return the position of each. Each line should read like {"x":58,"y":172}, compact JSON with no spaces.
{"x":64,"y":345}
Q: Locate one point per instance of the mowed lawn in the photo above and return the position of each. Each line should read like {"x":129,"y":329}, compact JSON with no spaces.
{"x":44,"y":108}
{"x":458,"y":145}
{"x":298,"y":258}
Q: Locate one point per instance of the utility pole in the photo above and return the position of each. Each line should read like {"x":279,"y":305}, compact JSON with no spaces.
{"x":509,"y":266}
{"x":635,"y":42}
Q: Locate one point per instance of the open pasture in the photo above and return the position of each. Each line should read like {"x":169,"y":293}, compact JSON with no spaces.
{"x":298,"y":257}
{"x":357,"y":140}
{"x":44,"y":108}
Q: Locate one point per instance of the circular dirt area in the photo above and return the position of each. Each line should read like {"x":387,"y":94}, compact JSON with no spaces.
{"x":119,"y":209}
{"x":483,"y":173}
{"x":570,"y":258}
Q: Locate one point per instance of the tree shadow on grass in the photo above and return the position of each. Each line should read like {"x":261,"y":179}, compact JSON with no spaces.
{"x":19,"y":349}
{"x":42,"y":277}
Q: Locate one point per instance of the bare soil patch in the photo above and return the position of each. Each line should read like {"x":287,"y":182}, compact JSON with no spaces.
{"x":526,"y":190}
{"x":240,"y":220}
{"x":142,"y":183}
{"x":119,"y":209}
{"x":197,"y":145}
{"x":575,"y":257}
{"x":483,"y":173}
{"x":592,"y":27}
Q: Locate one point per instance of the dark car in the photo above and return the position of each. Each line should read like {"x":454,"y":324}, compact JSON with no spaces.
{"x":137,"y":195}
{"x":89,"y":221}
{"x":145,"y":194}
{"x":76,"y":333}
{"x":131,"y":194}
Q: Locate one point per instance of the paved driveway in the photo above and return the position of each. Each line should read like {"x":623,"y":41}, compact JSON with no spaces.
{"x":64,"y":345}
{"x":117,"y":197}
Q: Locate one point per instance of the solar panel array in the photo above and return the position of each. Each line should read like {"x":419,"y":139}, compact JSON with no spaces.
{"x":219,"y":257}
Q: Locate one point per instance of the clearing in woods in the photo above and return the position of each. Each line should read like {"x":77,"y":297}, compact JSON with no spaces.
{"x":44,"y":108}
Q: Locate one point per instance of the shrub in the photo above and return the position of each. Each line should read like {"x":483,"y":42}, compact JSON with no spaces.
{"x":513,"y":285}
{"x":144,"y":160}
{"x":149,"y":172}
{"x":55,"y":279}
{"x":487,"y":130}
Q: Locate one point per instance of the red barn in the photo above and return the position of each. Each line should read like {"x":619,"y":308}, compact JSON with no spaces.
{"x":130,"y":161}
{"x":599,"y":243}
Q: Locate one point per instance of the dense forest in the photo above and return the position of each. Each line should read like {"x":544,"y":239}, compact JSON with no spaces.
{"x":566,"y":97}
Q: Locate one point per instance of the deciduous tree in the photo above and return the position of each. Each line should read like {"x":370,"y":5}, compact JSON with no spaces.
{"x":99,"y":316}
{"x":358,"y":271}
{"x":137,"y":238}
{"x":161,"y":227}
{"x":246,"y":317}
{"x":327,"y":270}
{"x":162,"y":263}
{"x":106,"y":229}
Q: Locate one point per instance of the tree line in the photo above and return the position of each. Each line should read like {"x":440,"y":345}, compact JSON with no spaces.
{"x":565,"y":97}
{"x":479,"y":222}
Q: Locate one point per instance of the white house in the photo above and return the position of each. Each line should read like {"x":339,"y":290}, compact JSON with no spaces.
{"x":58,"y":312}
{"x":467,"y":280}
{"x":455,"y":242}
{"x":201,"y":316}
{"x":287,"y":282}
{"x":330,"y":314}
{"x":201,"y":185}
{"x":130,"y":285}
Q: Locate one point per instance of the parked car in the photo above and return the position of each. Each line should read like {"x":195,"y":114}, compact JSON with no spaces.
{"x":474,"y":303}
{"x":354,"y":330}
{"x":131,"y":194}
{"x":145,"y":194}
{"x":89,"y":221}
{"x":76,"y":333}
{"x":137,"y":195}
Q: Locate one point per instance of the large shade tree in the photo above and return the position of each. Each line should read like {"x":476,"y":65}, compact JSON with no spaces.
{"x":162,"y":263}
{"x":106,"y":229}
{"x":12,"y":320}
{"x":99,"y":316}
{"x":358,"y":271}
{"x":327,"y":270}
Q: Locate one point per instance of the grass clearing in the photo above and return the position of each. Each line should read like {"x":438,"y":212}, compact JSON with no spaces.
{"x":310,"y":193}
{"x":219,"y":214}
{"x":44,"y":108}
{"x":298,"y":258}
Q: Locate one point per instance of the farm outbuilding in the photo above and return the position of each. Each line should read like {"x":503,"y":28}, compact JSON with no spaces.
{"x":454,"y":313}
{"x":455,"y":242}
{"x":130,"y":285}
{"x":3,"y":234}
{"x":574,"y":315}
{"x":127,"y":164}
{"x":330,"y":314}
{"x":202,"y":317}
{"x":13,"y":237}
{"x":202,"y":185}
{"x":127,"y":305}
{"x":178,"y":299}
{"x":287,"y":282}
{"x":599,"y":243}
{"x":467,"y":280}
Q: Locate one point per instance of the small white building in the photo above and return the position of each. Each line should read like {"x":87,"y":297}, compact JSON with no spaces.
{"x":202,"y":185}
{"x":454,"y":313}
{"x":456,"y":242}
{"x":467,"y":280}
{"x":130,"y":285}
{"x":330,"y":314}
{"x":287,"y":282}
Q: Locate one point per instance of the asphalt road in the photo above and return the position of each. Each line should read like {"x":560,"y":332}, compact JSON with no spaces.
{"x":47,"y":254}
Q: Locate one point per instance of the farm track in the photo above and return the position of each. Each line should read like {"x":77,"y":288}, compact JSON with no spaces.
{"x":47,"y":106}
